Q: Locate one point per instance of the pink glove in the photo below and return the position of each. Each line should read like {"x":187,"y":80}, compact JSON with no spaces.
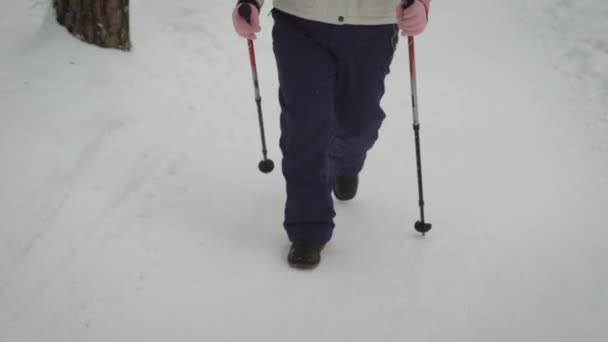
{"x":241,"y":26}
{"x":412,"y":21}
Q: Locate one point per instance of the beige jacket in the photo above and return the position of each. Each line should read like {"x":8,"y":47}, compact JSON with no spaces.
{"x":353,"y":12}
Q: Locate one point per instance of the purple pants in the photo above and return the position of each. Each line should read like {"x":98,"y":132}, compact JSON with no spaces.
{"x":331,"y":83}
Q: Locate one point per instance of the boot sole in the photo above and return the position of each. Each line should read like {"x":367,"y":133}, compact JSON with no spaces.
{"x":302,"y":266}
{"x":343,"y":198}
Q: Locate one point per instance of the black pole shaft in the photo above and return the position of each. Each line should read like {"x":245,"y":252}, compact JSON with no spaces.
{"x":419,"y":165}
{"x":258,"y":102}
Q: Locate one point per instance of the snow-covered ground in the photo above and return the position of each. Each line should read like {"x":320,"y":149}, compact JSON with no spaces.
{"x":131,"y":208}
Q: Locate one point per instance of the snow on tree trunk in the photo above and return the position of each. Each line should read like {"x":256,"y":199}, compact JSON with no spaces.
{"x":101,"y":22}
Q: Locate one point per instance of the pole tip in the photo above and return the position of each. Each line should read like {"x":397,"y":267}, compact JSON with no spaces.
{"x":266,"y":166}
{"x":423,"y":227}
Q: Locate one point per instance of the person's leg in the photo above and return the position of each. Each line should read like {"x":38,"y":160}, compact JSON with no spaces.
{"x":365,"y":54}
{"x":307,"y":75}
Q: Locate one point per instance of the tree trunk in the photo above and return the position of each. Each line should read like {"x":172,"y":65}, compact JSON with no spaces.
{"x":101,"y":22}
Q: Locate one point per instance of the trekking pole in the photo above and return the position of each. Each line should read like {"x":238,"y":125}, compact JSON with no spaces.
{"x":421,"y":226}
{"x":266,"y":165}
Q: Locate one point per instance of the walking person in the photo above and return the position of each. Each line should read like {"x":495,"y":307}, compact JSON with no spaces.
{"x":332,"y":57}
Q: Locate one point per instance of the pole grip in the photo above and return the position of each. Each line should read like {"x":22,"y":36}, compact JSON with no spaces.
{"x":245,"y":12}
{"x":407,"y":3}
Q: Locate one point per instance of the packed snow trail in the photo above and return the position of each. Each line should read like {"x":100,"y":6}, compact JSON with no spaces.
{"x":131,"y":207}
